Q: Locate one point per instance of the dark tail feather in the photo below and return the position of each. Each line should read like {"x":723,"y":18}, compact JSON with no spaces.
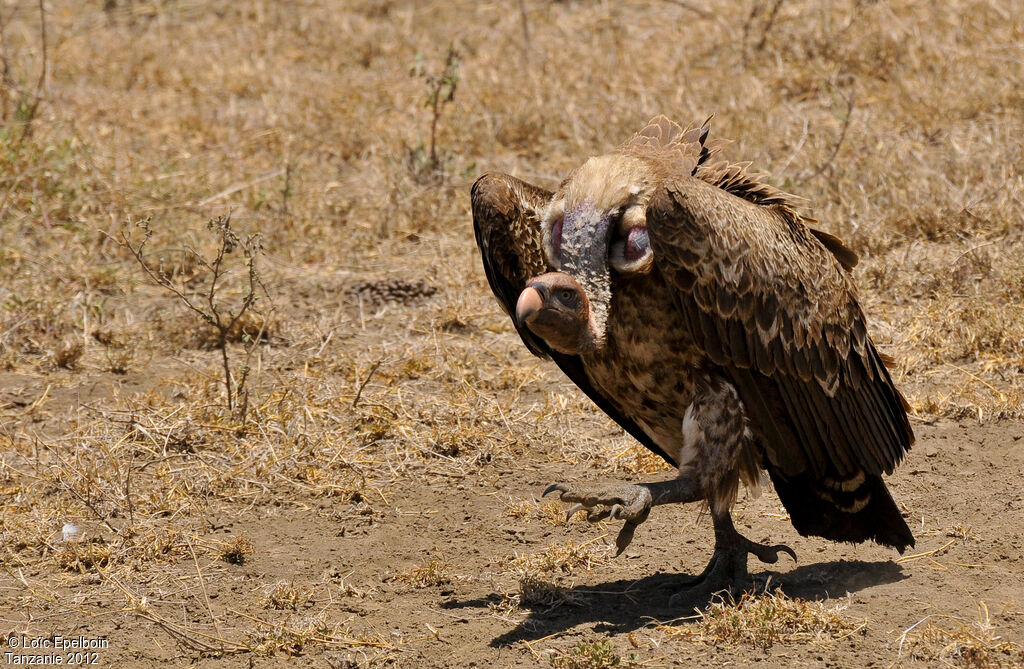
{"x":818,"y":511}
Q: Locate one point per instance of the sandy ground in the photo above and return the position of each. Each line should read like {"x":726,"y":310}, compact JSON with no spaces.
{"x":960,"y":488}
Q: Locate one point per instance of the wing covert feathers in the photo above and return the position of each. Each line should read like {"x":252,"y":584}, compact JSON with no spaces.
{"x":774,"y":306}
{"x":689,"y":150}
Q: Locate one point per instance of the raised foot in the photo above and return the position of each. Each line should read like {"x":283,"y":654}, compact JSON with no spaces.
{"x":631,"y":503}
{"x":726,"y":573}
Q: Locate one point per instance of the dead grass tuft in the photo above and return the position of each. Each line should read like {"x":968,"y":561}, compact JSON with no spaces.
{"x":636,"y":459}
{"x":68,"y":353}
{"x":431,"y":574}
{"x":537,"y":577}
{"x":551,"y":512}
{"x":120,"y":358}
{"x":291,"y":640}
{"x":84,"y":557}
{"x":238,"y":550}
{"x":159,"y":544}
{"x":763,"y":620}
{"x":288,"y":596}
{"x":566,"y":558}
{"x":952,"y":642}
{"x":538,"y":594}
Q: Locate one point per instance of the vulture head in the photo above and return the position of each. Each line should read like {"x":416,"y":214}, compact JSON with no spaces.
{"x":596,"y":223}
{"x":555,"y":308}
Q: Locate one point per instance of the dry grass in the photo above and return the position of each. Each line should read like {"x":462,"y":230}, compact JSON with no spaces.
{"x":565,"y":558}
{"x":238,"y":550}
{"x":957,"y":643}
{"x":289,"y":596}
{"x":551,"y":512}
{"x":536,"y":594}
{"x":543,"y":580}
{"x":764,"y":620}
{"x":386,"y":370}
{"x":432,"y":573}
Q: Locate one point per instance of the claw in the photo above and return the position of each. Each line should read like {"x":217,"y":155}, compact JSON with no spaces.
{"x":785,"y":549}
{"x":560,"y":487}
{"x":727,"y":570}
{"x":569,"y":514}
{"x":770,"y":554}
{"x":629,"y":503}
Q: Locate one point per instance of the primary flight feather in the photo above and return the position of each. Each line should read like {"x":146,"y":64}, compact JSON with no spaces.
{"x":696,"y":307}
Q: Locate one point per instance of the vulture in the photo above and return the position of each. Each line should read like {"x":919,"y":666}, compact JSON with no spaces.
{"x":694,"y":304}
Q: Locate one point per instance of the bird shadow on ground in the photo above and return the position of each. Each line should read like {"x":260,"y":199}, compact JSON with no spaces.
{"x":624,"y":606}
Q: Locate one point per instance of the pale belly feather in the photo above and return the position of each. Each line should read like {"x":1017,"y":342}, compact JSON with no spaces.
{"x":649,"y":365}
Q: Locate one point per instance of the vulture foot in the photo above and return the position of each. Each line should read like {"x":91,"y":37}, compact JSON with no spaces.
{"x":727,"y":570}
{"x":631,"y":503}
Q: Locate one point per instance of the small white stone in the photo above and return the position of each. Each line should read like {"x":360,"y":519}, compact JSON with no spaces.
{"x":71,"y":532}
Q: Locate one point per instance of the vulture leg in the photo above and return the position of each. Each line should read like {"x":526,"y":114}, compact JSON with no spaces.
{"x":631,"y":503}
{"x":727,"y":570}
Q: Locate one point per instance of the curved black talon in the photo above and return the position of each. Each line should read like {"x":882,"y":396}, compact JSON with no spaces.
{"x":690,"y":581}
{"x":560,"y":487}
{"x":770,"y":554}
{"x":625,"y":537}
{"x":572,"y":511}
{"x":726,"y":572}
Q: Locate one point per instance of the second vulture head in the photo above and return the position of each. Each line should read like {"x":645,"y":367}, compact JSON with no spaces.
{"x":555,"y":307}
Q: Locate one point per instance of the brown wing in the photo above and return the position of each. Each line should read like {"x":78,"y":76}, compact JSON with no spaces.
{"x":506,"y":221}
{"x":767,"y":299}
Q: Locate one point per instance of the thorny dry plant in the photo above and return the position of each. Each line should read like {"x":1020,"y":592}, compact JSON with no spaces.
{"x":230,"y":322}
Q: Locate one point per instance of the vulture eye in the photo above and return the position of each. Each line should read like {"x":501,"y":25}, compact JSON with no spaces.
{"x":566,"y":296}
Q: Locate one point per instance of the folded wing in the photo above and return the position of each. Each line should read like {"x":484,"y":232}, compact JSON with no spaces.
{"x":771,"y":303}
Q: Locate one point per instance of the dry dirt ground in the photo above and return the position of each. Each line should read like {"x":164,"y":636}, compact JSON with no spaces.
{"x":364,"y":490}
